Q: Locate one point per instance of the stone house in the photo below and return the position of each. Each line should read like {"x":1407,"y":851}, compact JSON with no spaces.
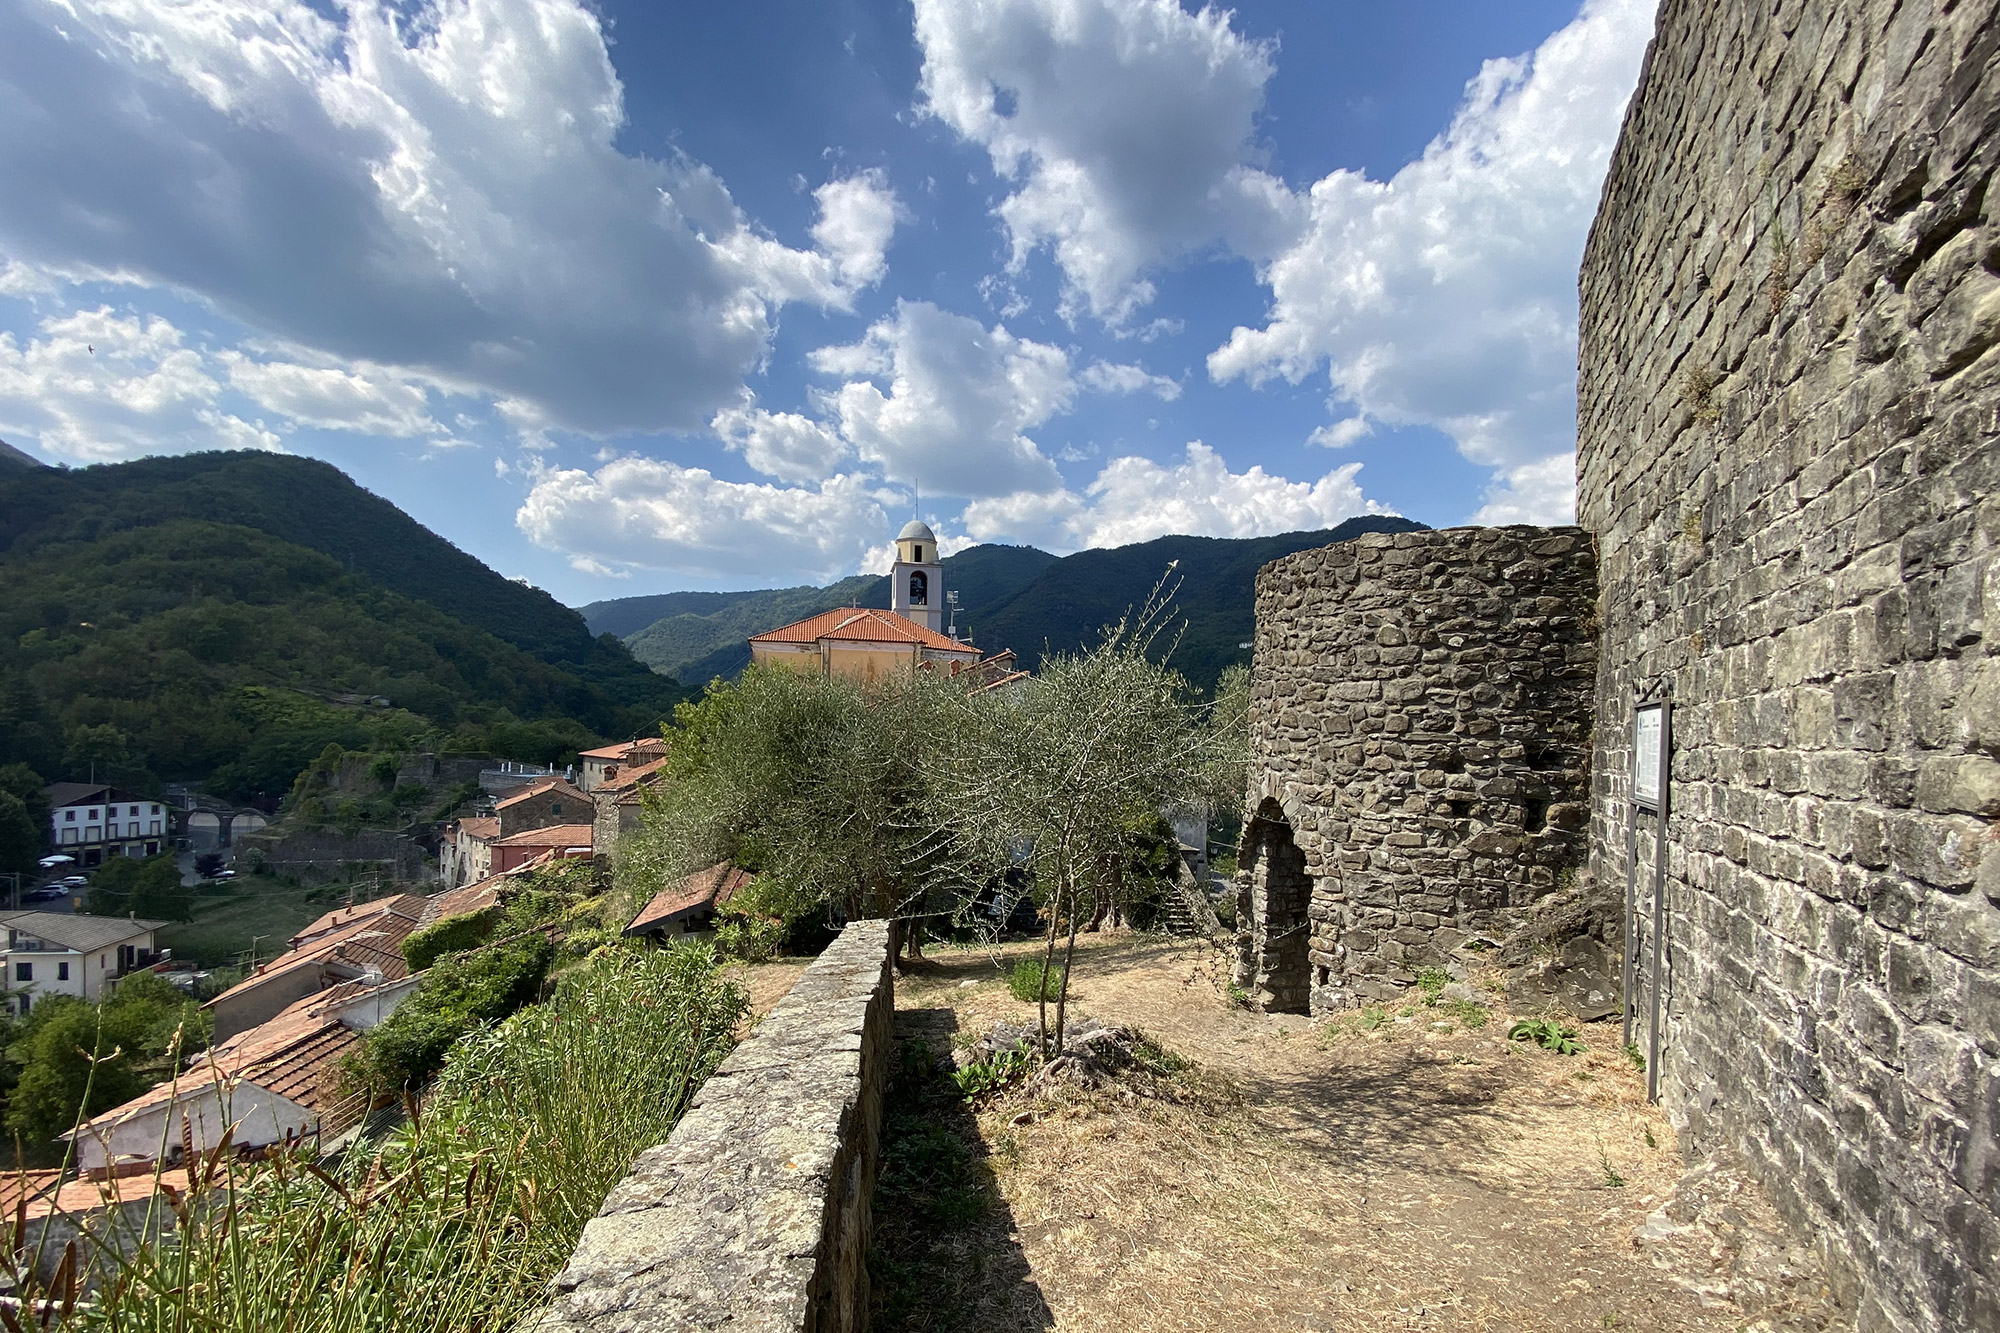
{"x":607,"y":762}
{"x":619,"y":803}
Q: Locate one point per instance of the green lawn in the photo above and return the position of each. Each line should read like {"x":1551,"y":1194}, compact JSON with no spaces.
{"x":262,"y":907}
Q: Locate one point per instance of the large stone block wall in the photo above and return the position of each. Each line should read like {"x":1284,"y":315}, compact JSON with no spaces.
{"x":1420,"y":745}
{"x":1789,"y":425}
{"x":754,"y":1214}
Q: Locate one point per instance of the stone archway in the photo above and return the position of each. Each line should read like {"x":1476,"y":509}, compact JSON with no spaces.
{"x":1274,"y":894}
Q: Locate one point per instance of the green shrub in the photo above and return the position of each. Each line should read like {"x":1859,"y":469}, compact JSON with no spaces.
{"x":450,"y":934}
{"x":754,"y":939}
{"x":1031,"y":984}
{"x":459,"y":992}
{"x":984,"y":1077}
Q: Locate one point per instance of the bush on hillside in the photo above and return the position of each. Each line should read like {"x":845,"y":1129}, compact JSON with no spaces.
{"x":460,"y":992}
{"x":452,"y":934}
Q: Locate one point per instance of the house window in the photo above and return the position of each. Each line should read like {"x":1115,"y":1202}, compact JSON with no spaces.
{"x":133,"y":810}
{"x":62,"y":971}
{"x":155,"y":829}
{"x":69,"y":816}
{"x":69,"y":835}
{"x":24,"y":971}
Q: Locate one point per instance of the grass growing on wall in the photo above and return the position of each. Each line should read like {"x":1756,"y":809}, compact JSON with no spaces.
{"x":460,"y":1220}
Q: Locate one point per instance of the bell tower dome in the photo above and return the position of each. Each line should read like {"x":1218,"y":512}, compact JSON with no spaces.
{"x":916,"y":581}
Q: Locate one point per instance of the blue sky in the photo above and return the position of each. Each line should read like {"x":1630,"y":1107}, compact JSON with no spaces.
{"x":624,"y":298}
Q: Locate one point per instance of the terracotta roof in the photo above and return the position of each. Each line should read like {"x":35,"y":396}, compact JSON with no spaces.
{"x":1004,"y":680}
{"x":362,"y":942}
{"x":860,"y":623}
{"x":484,"y":827}
{"x":473,"y":897}
{"x":409,"y":904}
{"x":536,"y":788}
{"x":16,"y":1185}
{"x":704,"y":888}
{"x":87,"y":1196}
{"x":631,"y":777}
{"x":555,"y":835}
{"x":286,"y":1055}
{"x":623,"y":748}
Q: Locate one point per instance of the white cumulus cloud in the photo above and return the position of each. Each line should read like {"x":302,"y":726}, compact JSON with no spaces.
{"x":1127,"y":126}
{"x":1446,"y":296}
{"x":1135,"y":499}
{"x":959,"y":401}
{"x":648,"y":514}
{"x":98,"y":386}
{"x":1110,"y":377}
{"x":433,"y":186}
{"x":780,"y":444}
{"x":364,"y":399}
{"x":1542,"y":492}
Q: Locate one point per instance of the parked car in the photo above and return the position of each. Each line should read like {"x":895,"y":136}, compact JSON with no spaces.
{"x":48,"y":893}
{"x":74,"y":881}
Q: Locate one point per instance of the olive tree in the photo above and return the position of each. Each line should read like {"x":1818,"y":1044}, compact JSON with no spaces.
{"x":1058,"y":770}
{"x":815,"y":783}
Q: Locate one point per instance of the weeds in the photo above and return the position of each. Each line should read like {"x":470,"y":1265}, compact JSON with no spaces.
{"x":982,"y":1078}
{"x":1548,"y":1034}
{"x":1373,"y":1018}
{"x":1467,"y":1013}
{"x":461,"y":1219}
{"x":1432,"y":981}
{"x":1034,"y":981}
{"x":1611,"y":1176}
{"x":1636,"y":1056}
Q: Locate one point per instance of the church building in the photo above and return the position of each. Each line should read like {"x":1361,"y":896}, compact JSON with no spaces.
{"x":866,"y":643}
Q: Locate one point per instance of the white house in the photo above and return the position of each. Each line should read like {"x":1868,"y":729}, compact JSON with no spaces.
{"x":91,"y":821}
{"x":53,"y":953}
{"x":266,"y":1085}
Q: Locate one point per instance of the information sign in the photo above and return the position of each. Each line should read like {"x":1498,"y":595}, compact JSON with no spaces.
{"x":1648,"y":762}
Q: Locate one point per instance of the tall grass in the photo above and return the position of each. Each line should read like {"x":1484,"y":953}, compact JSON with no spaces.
{"x":459,"y":1220}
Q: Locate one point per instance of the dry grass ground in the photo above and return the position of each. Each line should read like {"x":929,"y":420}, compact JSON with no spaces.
{"x":1395,"y":1171}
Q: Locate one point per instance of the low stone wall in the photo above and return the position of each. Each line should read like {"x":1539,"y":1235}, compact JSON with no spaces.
{"x":755,"y":1214}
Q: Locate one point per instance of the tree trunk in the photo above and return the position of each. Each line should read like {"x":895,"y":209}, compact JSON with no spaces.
{"x":1048,"y":957}
{"x":1069,"y":961}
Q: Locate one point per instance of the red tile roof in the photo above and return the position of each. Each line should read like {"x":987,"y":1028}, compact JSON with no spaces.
{"x":555,"y":835}
{"x":631,"y":777}
{"x":374,"y":940}
{"x":860,"y":623}
{"x":87,"y":1196}
{"x":712,"y":887}
{"x":536,"y":788}
{"x":623,"y":748}
{"x":483,"y":827}
{"x":473,"y":897}
{"x":408,"y":904}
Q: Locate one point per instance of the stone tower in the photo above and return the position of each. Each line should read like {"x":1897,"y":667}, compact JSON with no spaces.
{"x":916,"y":582}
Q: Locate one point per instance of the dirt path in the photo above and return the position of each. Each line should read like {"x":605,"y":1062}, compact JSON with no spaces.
{"x":1393,"y":1170}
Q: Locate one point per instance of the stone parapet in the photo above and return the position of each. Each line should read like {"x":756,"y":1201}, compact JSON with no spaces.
{"x":754,"y":1215}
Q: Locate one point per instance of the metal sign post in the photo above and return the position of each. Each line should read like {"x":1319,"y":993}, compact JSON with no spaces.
{"x":1652,"y":750}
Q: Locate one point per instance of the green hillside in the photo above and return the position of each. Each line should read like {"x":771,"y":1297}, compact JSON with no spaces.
{"x":223,"y":618}
{"x":694,"y":639}
{"x":1079,"y":594}
{"x":1009,"y":596}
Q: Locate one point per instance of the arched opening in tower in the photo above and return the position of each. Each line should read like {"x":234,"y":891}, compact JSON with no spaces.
{"x":1280,"y":893}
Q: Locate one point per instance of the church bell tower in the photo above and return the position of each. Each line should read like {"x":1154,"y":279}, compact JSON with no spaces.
{"x":916,"y":581}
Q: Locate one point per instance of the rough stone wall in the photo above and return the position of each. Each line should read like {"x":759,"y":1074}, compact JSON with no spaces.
{"x":754,"y":1215}
{"x":1789,"y":402}
{"x":1419,"y":738}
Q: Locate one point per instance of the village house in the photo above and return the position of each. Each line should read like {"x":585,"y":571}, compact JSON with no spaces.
{"x":54,"y":953}
{"x":688,"y":907}
{"x":619,"y":803}
{"x":363,"y":942}
{"x":603,"y":764}
{"x":90,"y":821}
{"x":556,"y":842}
{"x":269,"y":1084}
{"x":466,"y":853}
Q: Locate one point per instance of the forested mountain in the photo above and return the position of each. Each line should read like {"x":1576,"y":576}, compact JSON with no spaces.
{"x":223,"y":617}
{"x":1009,"y":597}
